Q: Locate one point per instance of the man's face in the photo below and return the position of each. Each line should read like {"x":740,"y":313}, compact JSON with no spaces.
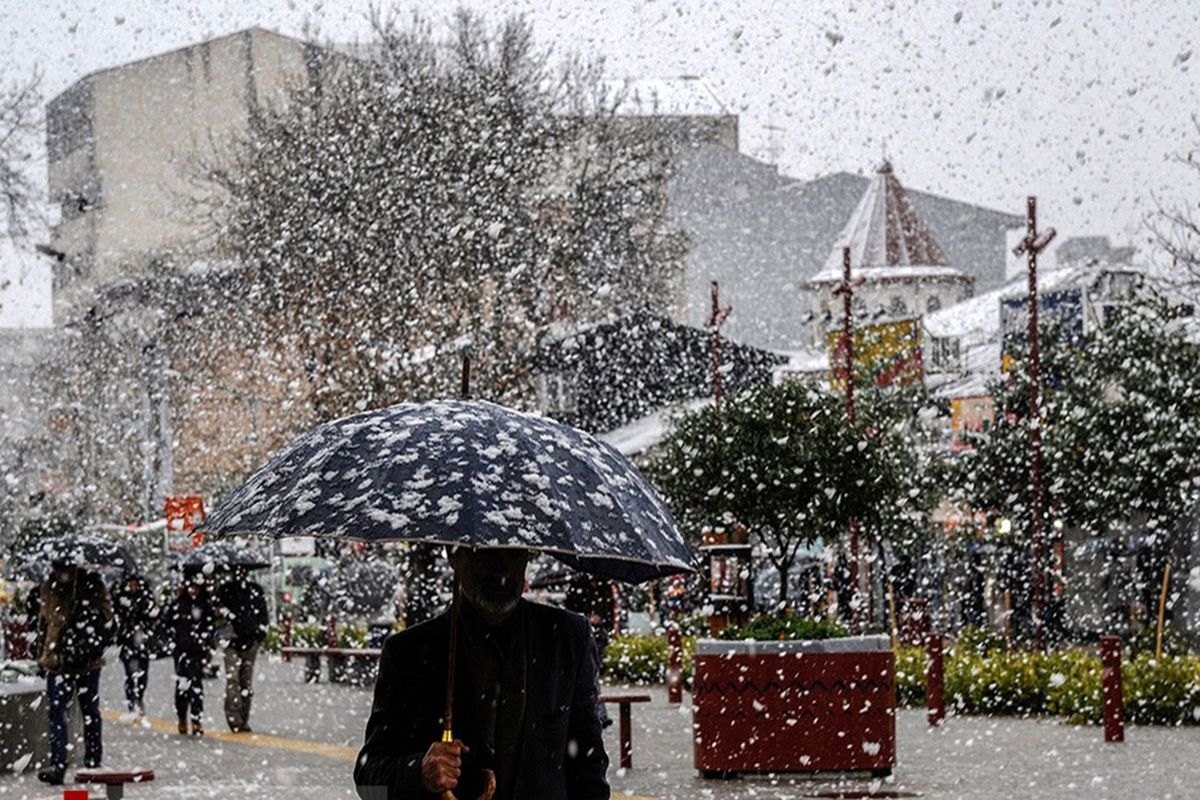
{"x":491,"y":579}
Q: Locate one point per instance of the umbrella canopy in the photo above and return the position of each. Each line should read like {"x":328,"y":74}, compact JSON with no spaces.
{"x":461,"y":472}
{"x":214,"y":556}
{"x":78,"y":549}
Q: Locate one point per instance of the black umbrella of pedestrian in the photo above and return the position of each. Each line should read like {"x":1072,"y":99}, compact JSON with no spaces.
{"x":77,"y":549}
{"x":220,"y":556}
{"x":463,"y":473}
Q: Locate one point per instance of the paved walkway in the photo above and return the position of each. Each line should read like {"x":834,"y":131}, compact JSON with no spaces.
{"x":306,"y":737}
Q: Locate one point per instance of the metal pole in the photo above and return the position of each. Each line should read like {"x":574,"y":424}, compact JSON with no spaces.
{"x":1111,"y":689}
{"x":848,"y":349}
{"x":935,"y":679}
{"x":715,"y":319}
{"x":1035,"y":436}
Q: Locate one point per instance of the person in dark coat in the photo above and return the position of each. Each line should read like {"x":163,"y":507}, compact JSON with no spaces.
{"x":137,"y":615}
{"x":190,"y":616}
{"x":593,"y":598}
{"x":526,"y":685}
{"x":242,"y":602}
{"x":75,"y":621}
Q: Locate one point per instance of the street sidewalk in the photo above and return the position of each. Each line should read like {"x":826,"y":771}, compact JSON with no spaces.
{"x":306,"y":736}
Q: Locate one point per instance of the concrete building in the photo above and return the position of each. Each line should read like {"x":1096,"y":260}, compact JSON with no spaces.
{"x":123,"y":144}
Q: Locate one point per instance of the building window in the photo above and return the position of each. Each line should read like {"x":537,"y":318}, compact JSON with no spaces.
{"x":943,"y":354}
{"x":933,"y":304}
{"x":558,"y":392}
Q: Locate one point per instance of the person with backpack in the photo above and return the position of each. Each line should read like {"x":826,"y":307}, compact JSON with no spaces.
{"x":190,"y":617}
{"x":245,"y":607}
{"x":137,"y":615}
{"x":75,"y":625}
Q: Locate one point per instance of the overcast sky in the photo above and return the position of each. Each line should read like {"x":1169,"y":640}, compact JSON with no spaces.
{"x":1084,"y":104}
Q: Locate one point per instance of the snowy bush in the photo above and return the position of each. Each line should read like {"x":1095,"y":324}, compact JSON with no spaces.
{"x":641,"y":659}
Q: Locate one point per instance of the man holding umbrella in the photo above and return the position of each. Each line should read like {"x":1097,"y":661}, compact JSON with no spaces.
{"x":525,"y":702}
{"x":492,"y":484}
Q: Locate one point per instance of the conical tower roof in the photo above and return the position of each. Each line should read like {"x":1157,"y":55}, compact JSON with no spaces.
{"x":885,"y":232}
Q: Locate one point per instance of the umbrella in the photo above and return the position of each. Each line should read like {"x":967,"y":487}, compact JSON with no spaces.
{"x":461,"y":472}
{"x":214,"y":556}
{"x":78,"y":549}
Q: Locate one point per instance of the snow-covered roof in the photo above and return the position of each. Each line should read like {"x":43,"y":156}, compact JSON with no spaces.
{"x":684,"y":96}
{"x":642,"y":434}
{"x":884,"y":232}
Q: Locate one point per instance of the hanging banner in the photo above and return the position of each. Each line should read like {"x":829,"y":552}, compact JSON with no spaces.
{"x":889,"y":352}
{"x":1059,"y":311}
{"x":184,"y":514}
{"x":974,"y":414}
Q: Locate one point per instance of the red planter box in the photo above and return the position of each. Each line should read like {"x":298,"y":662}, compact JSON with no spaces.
{"x":795,"y":706}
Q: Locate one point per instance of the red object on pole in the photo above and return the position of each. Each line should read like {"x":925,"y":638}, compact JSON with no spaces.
{"x":75,"y":794}
{"x":935,"y":680}
{"x":331,"y":631}
{"x":1111,"y":691}
{"x":286,"y":635}
{"x":674,"y":665}
{"x":714,"y":321}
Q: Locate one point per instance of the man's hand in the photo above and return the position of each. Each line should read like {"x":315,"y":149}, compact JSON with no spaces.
{"x":442,"y":765}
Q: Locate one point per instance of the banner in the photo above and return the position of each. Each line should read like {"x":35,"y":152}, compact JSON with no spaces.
{"x":184,"y":514}
{"x":969,"y":414}
{"x":889,"y":352}
{"x":1060,"y":311}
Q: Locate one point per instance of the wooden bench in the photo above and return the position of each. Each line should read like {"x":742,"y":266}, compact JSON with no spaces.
{"x":312,"y":658}
{"x":114,"y":780}
{"x":625,"y":703}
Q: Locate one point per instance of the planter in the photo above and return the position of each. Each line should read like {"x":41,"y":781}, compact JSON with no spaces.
{"x":794,"y":706}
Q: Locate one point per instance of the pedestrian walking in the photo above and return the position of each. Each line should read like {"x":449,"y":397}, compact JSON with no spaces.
{"x":75,"y":622}
{"x":593,"y":598}
{"x":137,"y":616}
{"x":243,"y":603}
{"x":191,"y":619}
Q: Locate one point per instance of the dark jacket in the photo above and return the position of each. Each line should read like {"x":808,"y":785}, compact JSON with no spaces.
{"x":244,"y":605}
{"x":191,"y":621}
{"x":560,"y":708}
{"x":137,"y":616}
{"x":75,"y":623}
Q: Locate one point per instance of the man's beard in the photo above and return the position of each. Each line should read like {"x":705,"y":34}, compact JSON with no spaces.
{"x":497,"y":598}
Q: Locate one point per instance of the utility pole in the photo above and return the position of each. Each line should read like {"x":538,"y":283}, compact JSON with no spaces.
{"x":1030,"y":246}
{"x":846,"y":290}
{"x":719,"y":315}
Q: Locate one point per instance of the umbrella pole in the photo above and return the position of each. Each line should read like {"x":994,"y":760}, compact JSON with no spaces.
{"x":489,"y":777}
{"x":448,"y":725}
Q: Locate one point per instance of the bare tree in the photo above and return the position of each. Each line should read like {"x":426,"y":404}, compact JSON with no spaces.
{"x":20,"y":123}
{"x":440,"y":192}
{"x":1176,"y":226}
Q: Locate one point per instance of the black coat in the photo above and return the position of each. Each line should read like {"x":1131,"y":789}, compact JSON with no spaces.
{"x":137,"y":618}
{"x":560,"y":708}
{"x":245,"y":606}
{"x":192,"y":626}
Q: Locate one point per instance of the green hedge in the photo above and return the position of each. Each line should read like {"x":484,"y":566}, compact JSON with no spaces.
{"x":310,"y":634}
{"x":773,"y":627}
{"x":1065,"y":684}
{"x":642,"y":659}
